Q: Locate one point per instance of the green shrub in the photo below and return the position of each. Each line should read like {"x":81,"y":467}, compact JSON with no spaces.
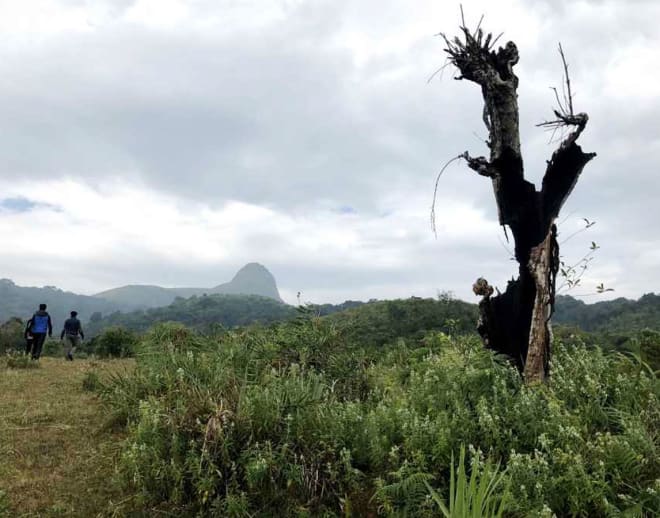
{"x":115,"y":342}
{"x":649,"y":348}
{"x":11,"y":335}
{"x":53,"y":348}
{"x":297,"y":419}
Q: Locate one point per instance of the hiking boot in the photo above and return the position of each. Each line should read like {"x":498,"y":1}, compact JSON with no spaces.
{"x":69,"y":357}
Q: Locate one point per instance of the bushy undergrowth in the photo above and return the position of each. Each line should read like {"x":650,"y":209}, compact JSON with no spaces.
{"x":11,"y":335}
{"x":18,"y":360}
{"x":295,"y":420}
{"x":115,"y":342}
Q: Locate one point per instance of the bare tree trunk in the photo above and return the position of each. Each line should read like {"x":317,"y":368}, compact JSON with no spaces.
{"x":542,"y":264}
{"x":517,"y":322}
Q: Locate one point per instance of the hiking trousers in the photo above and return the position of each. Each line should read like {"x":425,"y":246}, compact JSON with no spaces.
{"x":70,"y":344}
{"x":37,"y":344}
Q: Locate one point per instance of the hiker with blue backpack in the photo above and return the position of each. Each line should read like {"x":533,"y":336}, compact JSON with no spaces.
{"x":40,"y":325}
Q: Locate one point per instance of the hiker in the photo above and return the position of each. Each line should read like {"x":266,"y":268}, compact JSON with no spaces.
{"x":72,"y":334}
{"x":41,"y":324}
{"x":29,"y":337}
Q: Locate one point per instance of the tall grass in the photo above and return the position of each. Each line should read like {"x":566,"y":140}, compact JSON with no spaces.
{"x":296,"y":420}
{"x":483,"y":495}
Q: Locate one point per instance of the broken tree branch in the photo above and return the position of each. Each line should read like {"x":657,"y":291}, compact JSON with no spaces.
{"x":480,"y":165}
{"x":568,"y":160}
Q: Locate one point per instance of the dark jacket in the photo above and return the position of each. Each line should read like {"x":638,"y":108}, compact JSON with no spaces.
{"x":41,"y":323}
{"x":28,"y":330}
{"x":72,"y":327}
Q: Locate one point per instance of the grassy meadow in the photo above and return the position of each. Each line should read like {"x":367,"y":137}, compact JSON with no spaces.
{"x":310,"y":418}
{"x":58,"y":455}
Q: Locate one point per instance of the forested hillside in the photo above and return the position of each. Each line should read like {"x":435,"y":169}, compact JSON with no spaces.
{"x":22,"y":302}
{"x":372,"y":323}
{"x":380,"y":322}
{"x":618,"y":315}
{"x":382,"y":319}
{"x":201,"y":313}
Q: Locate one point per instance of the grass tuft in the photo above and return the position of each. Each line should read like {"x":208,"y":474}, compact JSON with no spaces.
{"x":91,"y":382}
{"x":18,"y":360}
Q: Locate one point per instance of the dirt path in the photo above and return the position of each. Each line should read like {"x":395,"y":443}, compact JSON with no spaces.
{"x":57,"y":459}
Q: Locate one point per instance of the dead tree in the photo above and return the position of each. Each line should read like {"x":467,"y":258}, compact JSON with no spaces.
{"x":517,"y":322}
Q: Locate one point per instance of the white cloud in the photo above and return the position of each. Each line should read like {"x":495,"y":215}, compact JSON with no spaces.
{"x":122,"y":226}
{"x":182,"y":139}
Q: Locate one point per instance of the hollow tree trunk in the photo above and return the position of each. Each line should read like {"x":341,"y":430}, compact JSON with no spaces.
{"x":517,"y":322}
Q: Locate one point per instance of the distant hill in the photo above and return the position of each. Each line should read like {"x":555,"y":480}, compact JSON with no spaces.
{"x":610,"y":316}
{"x":376,"y":320}
{"x":381,"y":321}
{"x":371,"y":323}
{"x":22,"y":302}
{"x":201,"y":313}
{"x":252,"y":279}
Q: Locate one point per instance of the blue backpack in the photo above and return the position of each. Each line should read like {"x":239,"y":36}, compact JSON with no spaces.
{"x":40,"y":323}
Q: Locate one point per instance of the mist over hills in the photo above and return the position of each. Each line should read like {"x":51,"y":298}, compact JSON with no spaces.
{"x":21,"y":301}
{"x":252,"y":295}
{"x":252,"y":279}
{"x":203,"y":313}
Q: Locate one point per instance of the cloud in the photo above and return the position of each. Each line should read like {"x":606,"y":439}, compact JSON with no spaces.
{"x":284,"y":116}
{"x":119,"y":231}
{"x":183,"y":139}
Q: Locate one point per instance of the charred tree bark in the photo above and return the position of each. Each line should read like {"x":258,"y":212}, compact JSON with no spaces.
{"x":517,"y":322}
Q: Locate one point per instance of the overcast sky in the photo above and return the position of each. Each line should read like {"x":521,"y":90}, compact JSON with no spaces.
{"x":170,"y":142}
